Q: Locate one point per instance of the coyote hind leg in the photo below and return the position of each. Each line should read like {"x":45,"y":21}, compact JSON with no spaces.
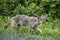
{"x":7,"y":25}
{"x":11,"y":24}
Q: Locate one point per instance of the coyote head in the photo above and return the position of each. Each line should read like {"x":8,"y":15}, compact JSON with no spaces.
{"x":42,"y":19}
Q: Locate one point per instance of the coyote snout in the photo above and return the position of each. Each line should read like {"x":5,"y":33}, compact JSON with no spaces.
{"x":31,"y":22}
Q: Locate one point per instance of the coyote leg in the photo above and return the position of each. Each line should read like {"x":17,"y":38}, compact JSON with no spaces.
{"x":29,"y":29}
{"x":39,"y":30}
{"x":7,"y":25}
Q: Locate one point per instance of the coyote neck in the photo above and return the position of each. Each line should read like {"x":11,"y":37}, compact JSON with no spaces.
{"x":38,"y":20}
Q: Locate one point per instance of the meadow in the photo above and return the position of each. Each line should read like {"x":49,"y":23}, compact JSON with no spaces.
{"x":50,"y":29}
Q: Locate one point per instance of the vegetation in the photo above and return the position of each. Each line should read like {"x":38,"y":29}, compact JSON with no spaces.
{"x":51,"y":27}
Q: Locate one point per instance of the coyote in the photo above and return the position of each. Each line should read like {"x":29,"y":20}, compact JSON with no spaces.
{"x":31,"y":22}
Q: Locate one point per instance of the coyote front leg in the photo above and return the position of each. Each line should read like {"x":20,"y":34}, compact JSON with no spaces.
{"x":39,"y":30}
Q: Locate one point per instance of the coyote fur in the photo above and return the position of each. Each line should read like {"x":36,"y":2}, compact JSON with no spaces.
{"x":30,"y":21}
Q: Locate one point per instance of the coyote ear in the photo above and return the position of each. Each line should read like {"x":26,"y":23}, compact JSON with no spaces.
{"x":45,"y":16}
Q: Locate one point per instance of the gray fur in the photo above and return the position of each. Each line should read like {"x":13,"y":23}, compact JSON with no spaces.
{"x":32,"y":22}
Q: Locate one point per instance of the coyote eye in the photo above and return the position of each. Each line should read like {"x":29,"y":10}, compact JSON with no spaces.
{"x":40,"y":19}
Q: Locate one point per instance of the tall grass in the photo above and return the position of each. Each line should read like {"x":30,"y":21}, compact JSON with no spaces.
{"x":50,"y":29}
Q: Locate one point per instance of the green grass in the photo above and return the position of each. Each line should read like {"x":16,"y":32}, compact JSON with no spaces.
{"x":47,"y":28}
